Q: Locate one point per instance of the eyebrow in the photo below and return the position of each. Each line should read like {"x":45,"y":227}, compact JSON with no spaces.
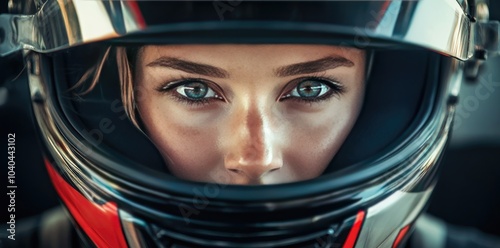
{"x":319,"y":65}
{"x":326,"y":63}
{"x":190,"y":67}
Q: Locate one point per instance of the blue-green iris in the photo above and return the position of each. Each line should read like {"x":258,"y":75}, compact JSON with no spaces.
{"x":195,"y":90}
{"x":309,"y":88}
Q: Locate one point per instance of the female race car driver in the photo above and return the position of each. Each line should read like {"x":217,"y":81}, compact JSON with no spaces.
{"x":245,"y":124}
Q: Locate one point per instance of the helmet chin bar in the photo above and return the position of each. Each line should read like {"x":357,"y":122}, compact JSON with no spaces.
{"x":345,"y":234}
{"x":398,"y":212}
{"x":108,"y":226}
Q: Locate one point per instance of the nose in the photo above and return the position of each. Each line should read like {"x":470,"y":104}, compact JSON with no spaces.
{"x":253,"y":147}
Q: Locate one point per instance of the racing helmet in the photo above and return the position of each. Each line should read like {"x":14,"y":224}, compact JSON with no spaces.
{"x":120,"y":193}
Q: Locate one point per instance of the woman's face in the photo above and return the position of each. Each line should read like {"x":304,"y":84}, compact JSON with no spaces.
{"x":248,"y":114}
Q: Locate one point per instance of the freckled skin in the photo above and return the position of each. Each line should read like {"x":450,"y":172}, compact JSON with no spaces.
{"x":251,"y":136}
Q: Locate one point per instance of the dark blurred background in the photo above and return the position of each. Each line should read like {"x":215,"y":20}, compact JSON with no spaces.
{"x":468,"y":192}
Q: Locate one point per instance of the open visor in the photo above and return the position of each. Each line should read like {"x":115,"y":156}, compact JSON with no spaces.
{"x":98,"y":110}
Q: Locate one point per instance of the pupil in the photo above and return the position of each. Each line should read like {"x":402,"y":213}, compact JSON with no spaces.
{"x":309,"y":89}
{"x":196,"y":90}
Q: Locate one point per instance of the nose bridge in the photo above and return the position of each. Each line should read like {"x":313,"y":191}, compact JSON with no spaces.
{"x":253,"y":152}
{"x":257,"y":137}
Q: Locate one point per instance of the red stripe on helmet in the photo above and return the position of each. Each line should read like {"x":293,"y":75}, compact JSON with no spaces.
{"x":356,"y":227}
{"x":402,"y":233}
{"x":100,"y":222}
{"x":136,"y":12}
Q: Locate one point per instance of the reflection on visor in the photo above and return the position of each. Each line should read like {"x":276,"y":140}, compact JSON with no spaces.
{"x":361,"y":22}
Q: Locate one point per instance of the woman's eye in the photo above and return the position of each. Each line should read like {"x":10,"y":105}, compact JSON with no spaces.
{"x":191,"y":91}
{"x":314,"y":89}
{"x":309,"y":89}
{"x":196,"y":91}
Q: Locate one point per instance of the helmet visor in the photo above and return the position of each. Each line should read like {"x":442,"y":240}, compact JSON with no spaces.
{"x":58,"y":26}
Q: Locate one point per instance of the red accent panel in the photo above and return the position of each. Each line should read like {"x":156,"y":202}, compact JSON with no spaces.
{"x":100,"y":222}
{"x":356,"y":227}
{"x":402,"y":233}
{"x":136,"y":11}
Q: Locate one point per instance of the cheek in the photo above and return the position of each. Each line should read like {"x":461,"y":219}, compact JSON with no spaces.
{"x":187,"y":144}
{"x":315,"y":138}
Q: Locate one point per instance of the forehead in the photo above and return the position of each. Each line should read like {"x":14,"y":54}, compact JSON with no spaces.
{"x":269,"y":53}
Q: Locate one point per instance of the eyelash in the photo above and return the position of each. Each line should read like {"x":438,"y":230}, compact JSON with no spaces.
{"x":171,"y":86}
{"x":335,"y":89}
